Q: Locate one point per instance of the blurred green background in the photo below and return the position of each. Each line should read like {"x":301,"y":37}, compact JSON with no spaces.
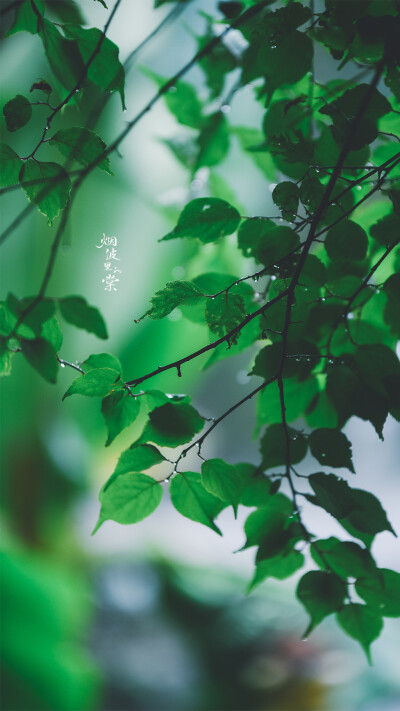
{"x":154,"y":616}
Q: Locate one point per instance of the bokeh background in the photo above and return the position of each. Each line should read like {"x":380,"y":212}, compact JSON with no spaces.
{"x":151,"y":617}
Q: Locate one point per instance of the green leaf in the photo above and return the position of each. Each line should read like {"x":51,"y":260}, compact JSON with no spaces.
{"x":41,"y":356}
{"x":346,"y":241}
{"x":381,"y":591}
{"x":138,"y":457}
{"x":284,"y":60}
{"x":321,"y":594}
{"x":181,"y":99}
{"x":134,"y":459}
{"x":40,"y":322}
{"x":25,"y":18}
{"x":41,"y":85}
{"x":206,"y":219}
{"x":250,"y":137}
{"x":212,"y":283}
{"x":98,"y":382}
{"x":10,"y":166}
{"x":386,"y":231}
{"x":63,"y":55}
{"x":391,"y":313}
{"x":321,"y":411}
{"x":379,"y":367}
{"x":106,"y":71}
{"x":362,"y":623}
{"x":298,"y":395}
{"x":276,"y":244}
{"x":331,"y":447}
{"x":5,"y":358}
{"x":219,"y":63}
{"x":47,"y":185}
{"x":174,"y":294}
{"x":17,"y":112}
{"x":301,"y":359}
{"x":102,"y":360}
{"x":171,"y":425}
{"x":77,"y":311}
{"x":193,"y":501}
{"x":222,"y":480}
{"x":358,"y":511}
{"x":311,"y":193}
{"x":352,"y":396}
{"x":81,"y":145}
{"x":257,"y":488}
{"x":213,"y":141}
{"x":183,"y":103}
{"x":277,"y":536}
{"x":225,"y":312}
{"x":129,"y":499}
{"x":368,"y":517}
{"x":243,"y":340}
{"x":345,"y":558}
{"x":286,"y":118}
{"x":273,"y":446}
{"x":286,"y":196}
{"x":344,"y":109}
{"x":280,"y":567}
{"x":119,"y":410}
{"x":333,"y":494}
{"x":252,"y":233}
{"x":267,"y":523}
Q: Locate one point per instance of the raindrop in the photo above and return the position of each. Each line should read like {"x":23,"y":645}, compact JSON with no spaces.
{"x":308,"y":360}
{"x":273,"y":277}
{"x":323,"y":298}
{"x":298,"y":360}
{"x":47,"y":127}
{"x":62,"y":365}
{"x":359,"y":187}
{"x":350,"y":315}
{"x":225,"y":109}
{"x":172,"y":89}
{"x":330,"y":361}
{"x":124,"y":111}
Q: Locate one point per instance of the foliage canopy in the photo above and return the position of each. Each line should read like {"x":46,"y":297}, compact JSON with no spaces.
{"x":325,"y":318}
